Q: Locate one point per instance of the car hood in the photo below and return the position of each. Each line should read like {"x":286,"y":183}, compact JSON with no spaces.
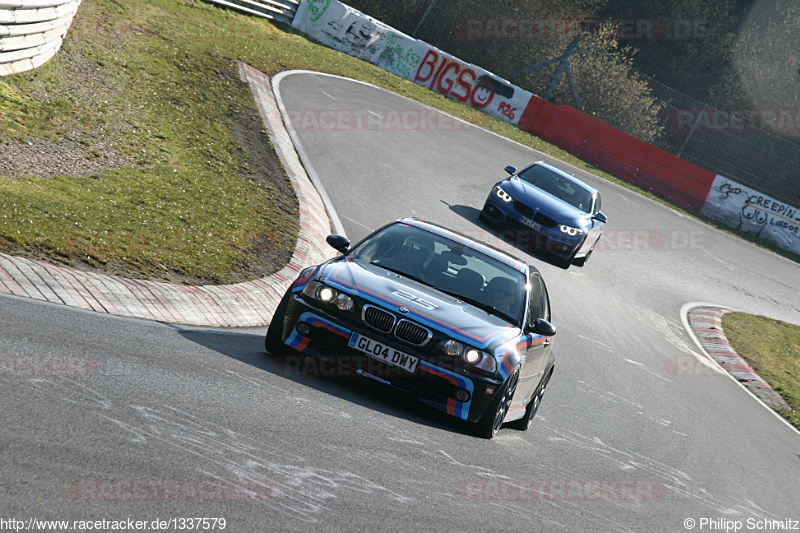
{"x":425,"y":304}
{"x":557,"y":209}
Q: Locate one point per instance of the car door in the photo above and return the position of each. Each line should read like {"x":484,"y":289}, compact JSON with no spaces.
{"x":533,"y":348}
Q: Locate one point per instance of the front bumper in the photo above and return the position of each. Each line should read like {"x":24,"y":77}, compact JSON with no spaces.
{"x":325,"y":337}
{"x":545,"y":239}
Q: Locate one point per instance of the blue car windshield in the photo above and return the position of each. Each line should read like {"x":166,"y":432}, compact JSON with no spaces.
{"x":558,"y":186}
{"x":465,"y":273}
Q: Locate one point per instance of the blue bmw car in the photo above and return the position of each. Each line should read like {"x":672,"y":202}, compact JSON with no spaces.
{"x":549,"y":210}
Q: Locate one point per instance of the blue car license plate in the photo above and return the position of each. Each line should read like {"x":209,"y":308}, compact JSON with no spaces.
{"x":535,"y":226}
{"x":383,"y":353}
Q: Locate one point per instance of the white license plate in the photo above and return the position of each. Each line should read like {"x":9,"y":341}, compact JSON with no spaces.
{"x":530,"y":223}
{"x":384,"y":353}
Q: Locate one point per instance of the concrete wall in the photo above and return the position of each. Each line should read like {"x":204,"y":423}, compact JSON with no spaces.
{"x":31,"y":32}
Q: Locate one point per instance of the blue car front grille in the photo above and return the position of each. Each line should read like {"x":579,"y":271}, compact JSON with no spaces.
{"x":528,"y":211}
{"x":544,"y":220}
{"x":523,"y":209}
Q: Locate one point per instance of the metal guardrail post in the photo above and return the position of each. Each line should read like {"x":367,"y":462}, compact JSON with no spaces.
{"x":277,"y":10}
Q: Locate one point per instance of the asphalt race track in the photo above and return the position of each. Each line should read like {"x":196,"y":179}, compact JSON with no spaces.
{"x":156,"y":421}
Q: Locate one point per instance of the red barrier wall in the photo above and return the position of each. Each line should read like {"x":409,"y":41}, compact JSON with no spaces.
{"x":617,"y":152}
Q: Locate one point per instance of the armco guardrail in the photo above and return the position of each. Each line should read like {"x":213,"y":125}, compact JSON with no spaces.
{"x":31,"y":32}
{"x":279,"y":10}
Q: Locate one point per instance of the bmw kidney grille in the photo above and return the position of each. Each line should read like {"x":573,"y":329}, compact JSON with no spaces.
{"x":378,"y":318}
{"x":412,"y":333}
{"x":404,"y":330}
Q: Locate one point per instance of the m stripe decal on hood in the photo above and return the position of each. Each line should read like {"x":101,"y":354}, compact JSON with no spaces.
{"x":481,"y":342}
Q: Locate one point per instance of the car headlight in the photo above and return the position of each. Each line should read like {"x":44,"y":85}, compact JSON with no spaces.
{"x":471,"y":356}
{"x":328,"y":295}
{"x":325,"y":294}
{"x":569,"y":230}
{"x":503,"y":195}
{"x":344,"y":302}
{"x":452,"y":348}
{"x":488,"y":363}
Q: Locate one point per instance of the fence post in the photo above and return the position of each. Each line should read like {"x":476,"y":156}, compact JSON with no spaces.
{"x":423,"y":17}
{"x":691,"y":131}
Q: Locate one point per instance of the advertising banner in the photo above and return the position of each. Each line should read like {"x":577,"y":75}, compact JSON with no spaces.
{"x":747,"y":210}
{"x":343,"y":28}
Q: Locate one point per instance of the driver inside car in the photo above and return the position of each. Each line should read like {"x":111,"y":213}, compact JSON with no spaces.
{"x":502,"y":295}
{"x":416,"y":253}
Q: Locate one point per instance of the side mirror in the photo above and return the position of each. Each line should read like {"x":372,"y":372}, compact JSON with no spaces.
{"x":511,"y":169}
{"x":339,"y":242}
{"x":543,"y":327}
{"x":599,"y":216}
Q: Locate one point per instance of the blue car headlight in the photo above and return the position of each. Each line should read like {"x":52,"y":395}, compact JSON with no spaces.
{"x":569,"y":230}
{"x":503,"y":195}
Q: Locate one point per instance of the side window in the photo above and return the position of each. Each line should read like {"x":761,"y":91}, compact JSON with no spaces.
{"x":597,"y":203}
{"x":537,"y":305}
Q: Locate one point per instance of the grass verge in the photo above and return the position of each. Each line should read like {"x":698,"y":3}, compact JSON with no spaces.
{"x":772,"y":349}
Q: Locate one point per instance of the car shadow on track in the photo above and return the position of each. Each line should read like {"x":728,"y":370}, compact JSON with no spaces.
{"x":494,"y":235}
{"x":249,"y":348}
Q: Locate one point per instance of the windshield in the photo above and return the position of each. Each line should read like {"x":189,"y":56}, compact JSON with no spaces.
{"x":448,"y":266}
{"x":559,"y":186}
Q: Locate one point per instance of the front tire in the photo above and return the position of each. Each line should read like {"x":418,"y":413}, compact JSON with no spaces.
{"x":524,"y":423}
{"x":492,"y":420}
{"x":273,"y":342}
{"x":565,"y":263}
{"x":582,"y":260}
